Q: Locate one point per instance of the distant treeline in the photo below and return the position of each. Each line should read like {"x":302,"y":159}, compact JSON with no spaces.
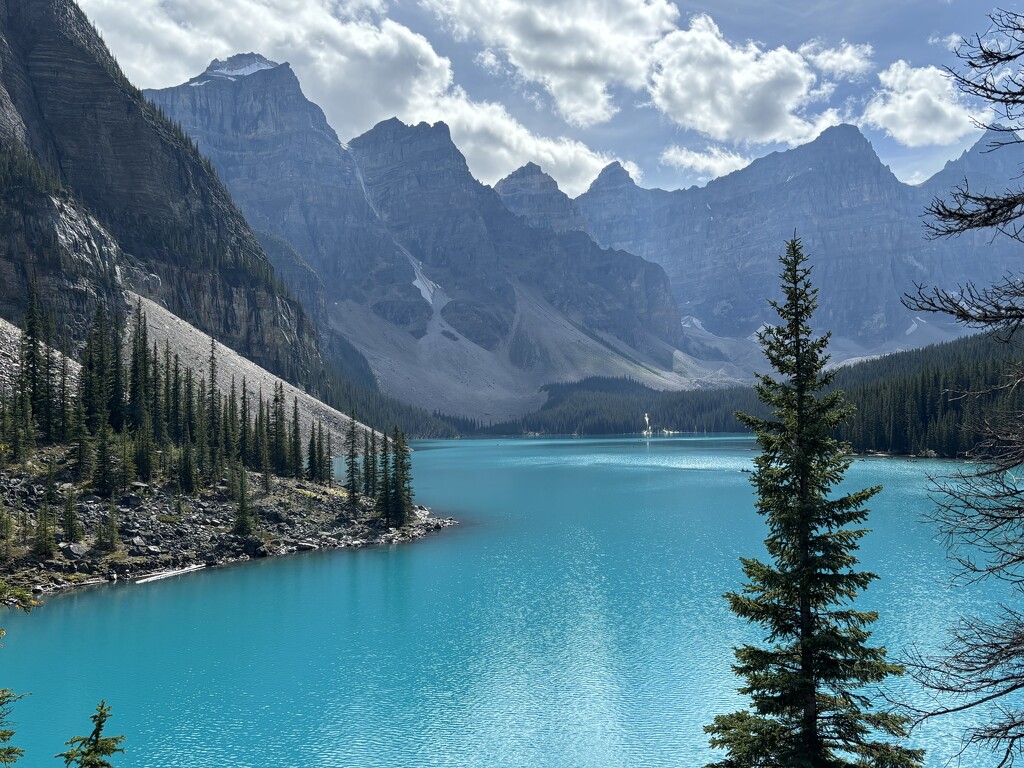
{"x":907,"y":403}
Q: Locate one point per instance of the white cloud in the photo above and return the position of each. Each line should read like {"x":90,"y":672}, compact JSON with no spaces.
{"x":849,"y":61}
{"x":713,"y":162}
{"x":735,"y":92}
{"x":919,"y":107}
{"x":358,"y":69}
{"x":575,"y":49}
{"x":489,"y":60}
{"x":949,"y":42}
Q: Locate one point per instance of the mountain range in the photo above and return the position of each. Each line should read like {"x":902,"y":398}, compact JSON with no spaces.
{"x":225,"y":197}
{"x":863,"y":228}
{"x":467,"y":298}
{"x":456,"y":302}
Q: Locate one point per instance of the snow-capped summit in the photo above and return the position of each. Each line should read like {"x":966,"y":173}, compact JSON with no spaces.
{"x":239,"y":65}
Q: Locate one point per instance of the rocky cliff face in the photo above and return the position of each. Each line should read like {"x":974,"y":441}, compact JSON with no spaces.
{"x":860,"y":224}
{"x":532,"y":194}
{"x":471,"y":243}
{"x":129,"y":198}
{"x":457,"y":303}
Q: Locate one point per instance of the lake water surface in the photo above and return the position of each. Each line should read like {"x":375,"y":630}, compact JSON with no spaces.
{"x":573,"y":619}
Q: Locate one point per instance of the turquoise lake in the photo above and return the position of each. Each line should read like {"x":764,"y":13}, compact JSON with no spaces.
{"x":573,"y":619}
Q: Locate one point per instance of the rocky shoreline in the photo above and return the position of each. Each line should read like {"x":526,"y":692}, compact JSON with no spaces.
{"x":162,"y":534}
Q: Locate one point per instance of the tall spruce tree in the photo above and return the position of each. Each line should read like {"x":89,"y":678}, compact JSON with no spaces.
{"x":352,"y":460}
{"x":808,"y":706}
{"x":401,"y":482}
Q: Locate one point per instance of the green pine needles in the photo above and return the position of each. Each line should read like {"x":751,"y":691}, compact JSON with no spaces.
{"x":808,"y":707}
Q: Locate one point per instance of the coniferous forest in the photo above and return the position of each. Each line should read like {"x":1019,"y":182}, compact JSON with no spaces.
{"x":133,"y":416}
{"x":927,"y":401}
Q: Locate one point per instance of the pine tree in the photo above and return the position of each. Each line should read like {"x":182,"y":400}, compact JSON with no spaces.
{"x":313,"y":462}
{"x":401,"y":482}
{"x":384,"y":501}
{"x":245,"y":441}
{"x":264,"y":438}
{"x":367,"y":487}
{"x":188,"y":476}
{"x":808,"y":707}
{"x":352,"y":484}
{"x":93,"y":750}
{"x":9,"y":754}
{"x":116,"y":403}
{"x":6,"y":533}
{"x":104,"y":480}
{"x":243,"y":515}
{"x":84,"y":454}
{"x":296,"y":435}
{"x":71,"y":529}
{"x":323,"y":461}
{"x":43,"y":544}
{"x":108,"y":538}
{"x":329,"y":461}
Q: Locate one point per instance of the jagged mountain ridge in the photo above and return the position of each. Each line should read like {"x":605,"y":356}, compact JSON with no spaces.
{"x":861,"y":225}
{"x":532,"y":194}
{"x":102,"y":193}
{"x":456,"y":302}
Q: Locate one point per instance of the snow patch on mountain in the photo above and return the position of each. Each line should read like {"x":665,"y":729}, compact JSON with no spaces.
{"x":239,"y":65}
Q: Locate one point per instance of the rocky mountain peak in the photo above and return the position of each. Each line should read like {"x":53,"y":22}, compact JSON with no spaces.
{"x":239,"y":65}
{"x":532,"y":194}
{"x":843,"y":137}
{"x":992,"y":163}
{"x":612,"y":176}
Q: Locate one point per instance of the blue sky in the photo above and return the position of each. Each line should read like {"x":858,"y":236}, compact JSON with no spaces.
{"x":679,"y":92}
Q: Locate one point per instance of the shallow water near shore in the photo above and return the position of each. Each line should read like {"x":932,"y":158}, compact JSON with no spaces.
{"x":573,"y":619}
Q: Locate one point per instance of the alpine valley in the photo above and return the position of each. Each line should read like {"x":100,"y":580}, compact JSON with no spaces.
{"x":467,"y":299}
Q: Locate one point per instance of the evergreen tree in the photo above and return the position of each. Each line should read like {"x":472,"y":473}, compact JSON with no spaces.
{"x":104,"y":478}
{"x":213,"y":416}
{"x":367,"y":487}
{"x":64,"y":395}
{"x":71,"y":529}
{"x":352,"y":461}
{"x":296,"y":440}
{"x":108,"y":538}
{"x":245,"y":439}
{"x":808,"y":707}
{"x":264,"y":438}
{"x":84,"y":455}
{"x":323,"y":460}
{"x":385,"y":502}
{"x":93,"y":750}
{"x":313,"y":462}
{"x":374,"y":480}
{"x":329,"y":461}
{"x":188,"y":476}
{"x":9,"y":754}
{"x":6,"y":533}
{"x":117,"y":402}
{"x":243,"y":515}
{"x":401,"y":483}
{"x":43,"y":544}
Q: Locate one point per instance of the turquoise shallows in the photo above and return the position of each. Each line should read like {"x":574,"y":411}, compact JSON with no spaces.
{"x":573,"y":620}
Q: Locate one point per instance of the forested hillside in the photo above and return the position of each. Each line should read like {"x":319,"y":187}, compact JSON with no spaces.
{"x":926,"y":400}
